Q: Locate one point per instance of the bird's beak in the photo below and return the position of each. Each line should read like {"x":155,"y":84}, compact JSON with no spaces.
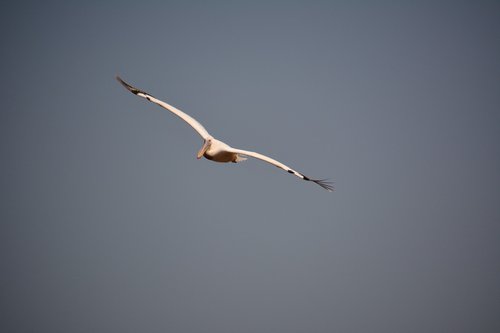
{"x":203,"y":149}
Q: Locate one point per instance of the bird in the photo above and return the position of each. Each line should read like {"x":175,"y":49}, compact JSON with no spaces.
{"x":216,"y":150}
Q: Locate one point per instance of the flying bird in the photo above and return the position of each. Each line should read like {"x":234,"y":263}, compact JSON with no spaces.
{"x":216,"y":150}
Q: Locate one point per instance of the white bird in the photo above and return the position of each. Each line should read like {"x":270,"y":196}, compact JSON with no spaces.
{"x":216,"y":150}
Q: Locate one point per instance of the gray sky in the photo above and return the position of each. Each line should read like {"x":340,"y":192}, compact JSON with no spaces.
{"x":110,"y":224}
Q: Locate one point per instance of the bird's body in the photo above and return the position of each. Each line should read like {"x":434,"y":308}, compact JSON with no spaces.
{"x":221,"y":152}
{"x":216,"y":150}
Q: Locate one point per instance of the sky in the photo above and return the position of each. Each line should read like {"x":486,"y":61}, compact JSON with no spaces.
{"x":109,"y":223}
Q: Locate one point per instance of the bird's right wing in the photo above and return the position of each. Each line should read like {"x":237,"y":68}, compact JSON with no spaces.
{"x":321,"y":182}
{"x":187,"y":118}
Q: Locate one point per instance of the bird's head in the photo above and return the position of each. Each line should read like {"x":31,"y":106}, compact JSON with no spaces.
{"x":204,"y":148}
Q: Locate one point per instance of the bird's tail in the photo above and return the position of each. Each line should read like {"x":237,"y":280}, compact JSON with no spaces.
{"x":239,"y":158}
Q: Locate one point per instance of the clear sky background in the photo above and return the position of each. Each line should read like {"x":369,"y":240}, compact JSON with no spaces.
{"x":108,"y":223}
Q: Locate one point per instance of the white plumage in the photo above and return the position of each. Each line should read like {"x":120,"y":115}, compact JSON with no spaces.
{"x":216,"y":150}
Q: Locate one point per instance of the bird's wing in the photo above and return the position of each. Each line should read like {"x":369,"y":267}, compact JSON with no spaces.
{"x":187,"y":118}
{"x":327,"y":185}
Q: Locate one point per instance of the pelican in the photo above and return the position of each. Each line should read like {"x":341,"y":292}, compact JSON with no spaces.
{"x":216,"y":150}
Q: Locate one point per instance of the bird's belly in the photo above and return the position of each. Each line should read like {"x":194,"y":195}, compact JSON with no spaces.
{"x":222,"y":156}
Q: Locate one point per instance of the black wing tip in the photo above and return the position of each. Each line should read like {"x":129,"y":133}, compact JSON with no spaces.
{"x":324,"y":183}
{"x":133,"y":90}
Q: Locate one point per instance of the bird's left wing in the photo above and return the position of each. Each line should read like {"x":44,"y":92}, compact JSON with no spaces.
{"x":187,"y":118}
{"x":327,"y":185}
